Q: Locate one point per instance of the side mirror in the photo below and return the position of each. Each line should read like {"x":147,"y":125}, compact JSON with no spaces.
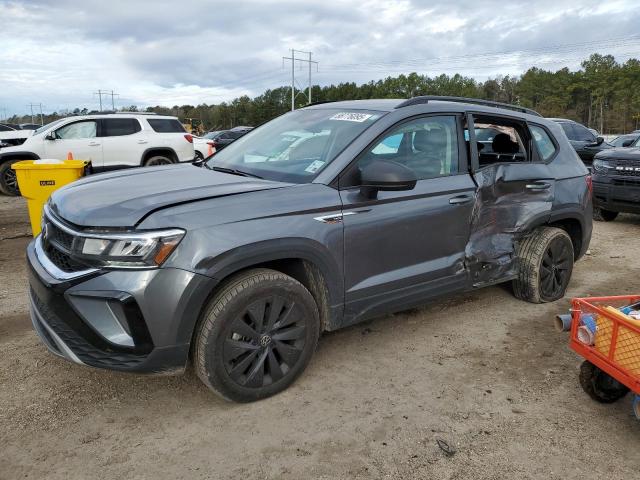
{"x":380,"y":175}
{"x":50,"y":136}
{"x":599,"y":140}
{"x":627,"y":143}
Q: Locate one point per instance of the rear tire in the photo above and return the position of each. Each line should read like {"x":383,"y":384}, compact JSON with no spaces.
{"x":8,"y":179}
{"x":545,"y":264}
{"x":599,"y":385}
{"x":602,"y":215}
{"x":256,"y":336}
{"x":156,"y":160}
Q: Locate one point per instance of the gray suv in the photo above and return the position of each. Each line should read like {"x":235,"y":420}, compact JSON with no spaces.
{"x":319,"y":219}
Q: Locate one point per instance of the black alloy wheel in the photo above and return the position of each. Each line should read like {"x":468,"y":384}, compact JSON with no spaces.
{"x":256,"y":336}
{"x":265,"y":342}
{"x":555,"y":270}
{"x":8,"y":179}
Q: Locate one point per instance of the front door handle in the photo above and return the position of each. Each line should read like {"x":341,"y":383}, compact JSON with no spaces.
{"x":142,"y":141}
{"x":538,"y":186}
{"x":460,"y":199}
{"x":94,"y":144}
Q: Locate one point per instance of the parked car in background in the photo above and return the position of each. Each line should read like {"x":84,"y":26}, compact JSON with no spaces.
{"x":226,"y":137}
{"x":616,"y":182}
{"x":108,"y":141}
{"x":12,"y":134}
{"x":321,"y":218}
{"x":29,"y":126}
{"x":582,"y":139}
{"x":628,"y":140}
{"x":202,"y":146}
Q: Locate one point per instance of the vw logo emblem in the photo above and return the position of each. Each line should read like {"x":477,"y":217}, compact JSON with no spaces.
{"x":265,"y":340}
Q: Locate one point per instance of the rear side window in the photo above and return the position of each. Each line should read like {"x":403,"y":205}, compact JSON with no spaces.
{"x":569,"y":131}
{"x":545,"y":145}
{"x":583,"y":134}
{"x":166,"y":125}
{"x":115,"y":127}
{"x":5,"y":128}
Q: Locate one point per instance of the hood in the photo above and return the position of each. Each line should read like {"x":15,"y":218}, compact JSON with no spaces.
{"x":620,"y":153}
{"x":125,"y":197}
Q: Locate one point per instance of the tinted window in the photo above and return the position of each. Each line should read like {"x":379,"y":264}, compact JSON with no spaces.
{"x":583,"y":134}
{"x":237,"y":134}
{"x":428,"y":146}
{"x":114,"y":127}
{"x":545,"y":145}
{"x":569,"y":131}
{"x":76,"y":130}
{"x":166,"y":125}
{"x":4,"y":128}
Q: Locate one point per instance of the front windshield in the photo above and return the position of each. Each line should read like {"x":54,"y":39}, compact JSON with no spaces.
{"x":48,"y":126}
{"x":296,"y":146}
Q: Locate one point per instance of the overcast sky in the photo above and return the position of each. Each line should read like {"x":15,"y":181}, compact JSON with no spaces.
{"x":189,"y":52}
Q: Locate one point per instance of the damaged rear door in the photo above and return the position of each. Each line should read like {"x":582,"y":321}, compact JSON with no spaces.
{"x":515,"y":194}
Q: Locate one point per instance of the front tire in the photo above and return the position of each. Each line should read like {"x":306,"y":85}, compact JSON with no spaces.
{"x":8,"y":179}
{"x":602,"y":215}
{"x":256,"y":336}
{"x":599,"y":385}
{"x":545,"y":264}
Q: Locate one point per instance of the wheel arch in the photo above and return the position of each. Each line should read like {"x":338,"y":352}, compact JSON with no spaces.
{"x":149,"y":152}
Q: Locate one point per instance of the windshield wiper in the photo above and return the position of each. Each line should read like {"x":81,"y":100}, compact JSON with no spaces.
{"x":234,"y":171}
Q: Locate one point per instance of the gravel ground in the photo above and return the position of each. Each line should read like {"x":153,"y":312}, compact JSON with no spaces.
{"x":482,"y":373}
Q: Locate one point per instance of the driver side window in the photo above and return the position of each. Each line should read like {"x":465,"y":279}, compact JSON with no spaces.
{"x":428,"y":146}
{"x":77,"y":130}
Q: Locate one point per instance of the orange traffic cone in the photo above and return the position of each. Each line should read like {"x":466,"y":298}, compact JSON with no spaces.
{"x":210,"y":152}
{"x":69,"y":156}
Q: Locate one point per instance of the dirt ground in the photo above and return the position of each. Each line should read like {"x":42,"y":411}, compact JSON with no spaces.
{"x":484,"y":372}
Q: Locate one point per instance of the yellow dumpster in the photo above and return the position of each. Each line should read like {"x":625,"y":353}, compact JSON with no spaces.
{"x":37,"y":179}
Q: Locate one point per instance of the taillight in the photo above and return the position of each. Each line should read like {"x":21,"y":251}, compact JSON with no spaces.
{"x":589,"y":181}
{"x":189,"y":137}
{"x":211,"y":143}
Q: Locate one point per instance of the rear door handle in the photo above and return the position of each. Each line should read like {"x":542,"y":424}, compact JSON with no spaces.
{"x":460,"y":199}
{"x":538,"y":186}
{"x":142,"y":141}
{"x":94,"y":144}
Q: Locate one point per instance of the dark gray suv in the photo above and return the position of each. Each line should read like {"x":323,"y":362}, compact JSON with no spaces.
{"x":321,"y":218}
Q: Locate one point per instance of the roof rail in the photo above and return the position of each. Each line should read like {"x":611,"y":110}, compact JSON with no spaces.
{"x":475,"y":101}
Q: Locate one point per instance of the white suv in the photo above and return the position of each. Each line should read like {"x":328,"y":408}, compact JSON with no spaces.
{"x":109,"y":141}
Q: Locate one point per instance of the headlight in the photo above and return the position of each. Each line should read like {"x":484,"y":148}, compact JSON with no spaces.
{"x":602,"y":166}
{"x":138,"y":249}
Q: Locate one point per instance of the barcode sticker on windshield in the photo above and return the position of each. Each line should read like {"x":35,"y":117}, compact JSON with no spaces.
{"x":351,"y":116}
{"x":314,"y":167}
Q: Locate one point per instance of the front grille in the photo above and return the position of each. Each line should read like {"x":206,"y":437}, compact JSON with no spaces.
{"x":62,"y":260}
{"x":58,"y":245}
{"x":628,"y":168}
{"x":627,"y":182}
{"x":59,"y":236}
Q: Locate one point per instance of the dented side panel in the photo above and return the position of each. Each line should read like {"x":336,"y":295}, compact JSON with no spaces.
{"x":511,"y":199}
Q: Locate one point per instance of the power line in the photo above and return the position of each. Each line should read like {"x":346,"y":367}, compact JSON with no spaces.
{"x":107,"y":93}
{"x":31,"y":105}
{"x":293,"y":73}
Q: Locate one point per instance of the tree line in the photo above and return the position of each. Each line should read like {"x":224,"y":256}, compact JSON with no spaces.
{"x":603,"y":94}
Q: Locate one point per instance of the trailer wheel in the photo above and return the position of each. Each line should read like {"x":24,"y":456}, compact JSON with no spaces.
{"x":599,"y":385}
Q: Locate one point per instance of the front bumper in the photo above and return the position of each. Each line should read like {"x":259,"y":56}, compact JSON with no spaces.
{"x":617,"y":193}
{"x":127,"y":320}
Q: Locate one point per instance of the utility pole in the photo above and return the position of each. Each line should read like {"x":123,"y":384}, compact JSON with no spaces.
{"x":113,"y":105}
{"x":293,"y":74}
{"x":107,"y":93}
{"x":31,"y":105}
